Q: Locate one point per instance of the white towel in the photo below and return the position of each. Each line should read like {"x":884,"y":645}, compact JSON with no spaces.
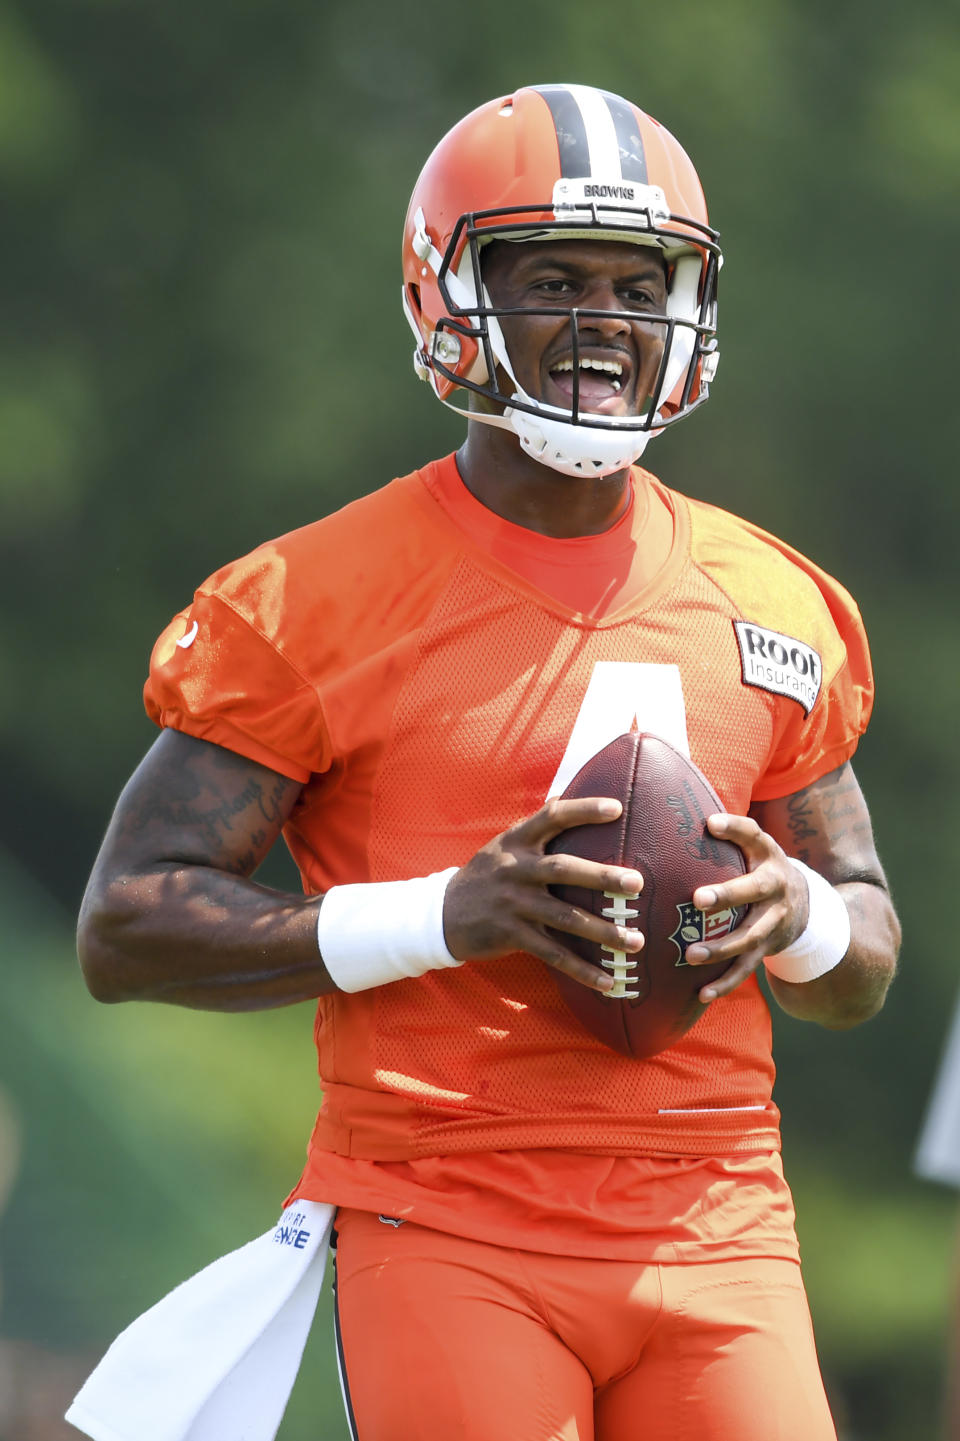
{"x":217,"y":1357}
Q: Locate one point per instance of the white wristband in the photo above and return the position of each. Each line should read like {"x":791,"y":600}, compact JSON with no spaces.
{"x":384,"y":931}
{"x":824,"y":943}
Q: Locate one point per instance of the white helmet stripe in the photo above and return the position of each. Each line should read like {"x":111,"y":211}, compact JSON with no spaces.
{"x":587,"y":137}
{"x":602,"y":140}
{"x":633,"y":158}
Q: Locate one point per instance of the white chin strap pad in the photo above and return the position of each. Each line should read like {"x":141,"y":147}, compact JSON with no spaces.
{"x":576,"y":449}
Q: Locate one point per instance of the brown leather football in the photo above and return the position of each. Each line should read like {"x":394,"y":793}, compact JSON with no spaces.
{"x":661,"y":833}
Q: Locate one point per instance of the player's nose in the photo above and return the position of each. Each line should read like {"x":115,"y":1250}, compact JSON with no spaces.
{"x":608,"y":318}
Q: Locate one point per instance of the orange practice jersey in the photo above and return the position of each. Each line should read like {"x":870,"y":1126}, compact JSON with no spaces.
{"x":427,"y":688}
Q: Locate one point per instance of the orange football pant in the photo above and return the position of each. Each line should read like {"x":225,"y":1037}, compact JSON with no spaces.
{"x":446,"y":1339}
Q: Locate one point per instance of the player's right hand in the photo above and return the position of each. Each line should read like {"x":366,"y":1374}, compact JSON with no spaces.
{"x":500,"y":900}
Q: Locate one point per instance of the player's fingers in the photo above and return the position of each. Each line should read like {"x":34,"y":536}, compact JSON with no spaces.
{"x":560,"y":815}
{"x":743,"y":830}
{"x":764,"y":884}
{"x":547,"y":910}
{"x":755,"y":932}
{"x":734,"y":976}
{"x":558,"y":869}
{"x":551,"y":950}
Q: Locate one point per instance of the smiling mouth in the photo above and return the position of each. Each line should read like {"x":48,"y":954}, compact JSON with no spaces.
{"x":601,"y":383}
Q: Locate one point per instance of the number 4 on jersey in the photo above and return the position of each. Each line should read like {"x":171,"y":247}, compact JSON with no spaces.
{"x":624,"y":696}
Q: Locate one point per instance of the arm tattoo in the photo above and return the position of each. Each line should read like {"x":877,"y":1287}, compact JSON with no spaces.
{"x":827,"y":826}
{"x":835,"y":801}
{"x":231,"y":829}
{"x":843,"y":809}
{"x":800,"y":823}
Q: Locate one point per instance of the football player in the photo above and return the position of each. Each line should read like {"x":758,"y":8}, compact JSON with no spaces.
{"x":538,"y":1237}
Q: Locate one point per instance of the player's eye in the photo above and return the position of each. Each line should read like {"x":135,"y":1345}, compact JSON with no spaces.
{"x":554,"y":285}
{"x":642,"y":298}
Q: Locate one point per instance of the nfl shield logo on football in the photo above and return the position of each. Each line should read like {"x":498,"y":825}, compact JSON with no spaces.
{"x":694,"y":926}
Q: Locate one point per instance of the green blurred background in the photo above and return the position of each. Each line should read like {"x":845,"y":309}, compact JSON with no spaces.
{"x":202,"y":345}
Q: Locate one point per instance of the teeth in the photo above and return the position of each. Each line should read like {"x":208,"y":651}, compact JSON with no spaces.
{"x":612,"y":367}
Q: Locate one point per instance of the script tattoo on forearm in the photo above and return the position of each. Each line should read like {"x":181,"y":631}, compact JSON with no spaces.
{"x":799,"y":824}
{"x":843,"y":809}
{"x":828,"y":827}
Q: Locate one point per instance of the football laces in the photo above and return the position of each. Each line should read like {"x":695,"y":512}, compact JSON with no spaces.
{"x":620,"y":962}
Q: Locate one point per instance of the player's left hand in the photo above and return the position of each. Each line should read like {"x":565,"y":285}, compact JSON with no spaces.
{"x":778,"y":901}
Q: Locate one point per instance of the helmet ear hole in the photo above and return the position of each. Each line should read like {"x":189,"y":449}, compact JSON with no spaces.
{"x":413,"y":300}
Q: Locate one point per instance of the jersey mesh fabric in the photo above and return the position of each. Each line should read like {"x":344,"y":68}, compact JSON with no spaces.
{"x":477,"y":1050}
{"x":436,"y":690}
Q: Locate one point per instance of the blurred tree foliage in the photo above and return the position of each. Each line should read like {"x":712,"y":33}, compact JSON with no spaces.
{"x":202,"y":345}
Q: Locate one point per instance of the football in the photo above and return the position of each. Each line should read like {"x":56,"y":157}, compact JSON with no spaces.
{"x":662,"y":833}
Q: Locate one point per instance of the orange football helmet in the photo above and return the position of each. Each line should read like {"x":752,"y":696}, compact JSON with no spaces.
{"x":547,"y":162}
